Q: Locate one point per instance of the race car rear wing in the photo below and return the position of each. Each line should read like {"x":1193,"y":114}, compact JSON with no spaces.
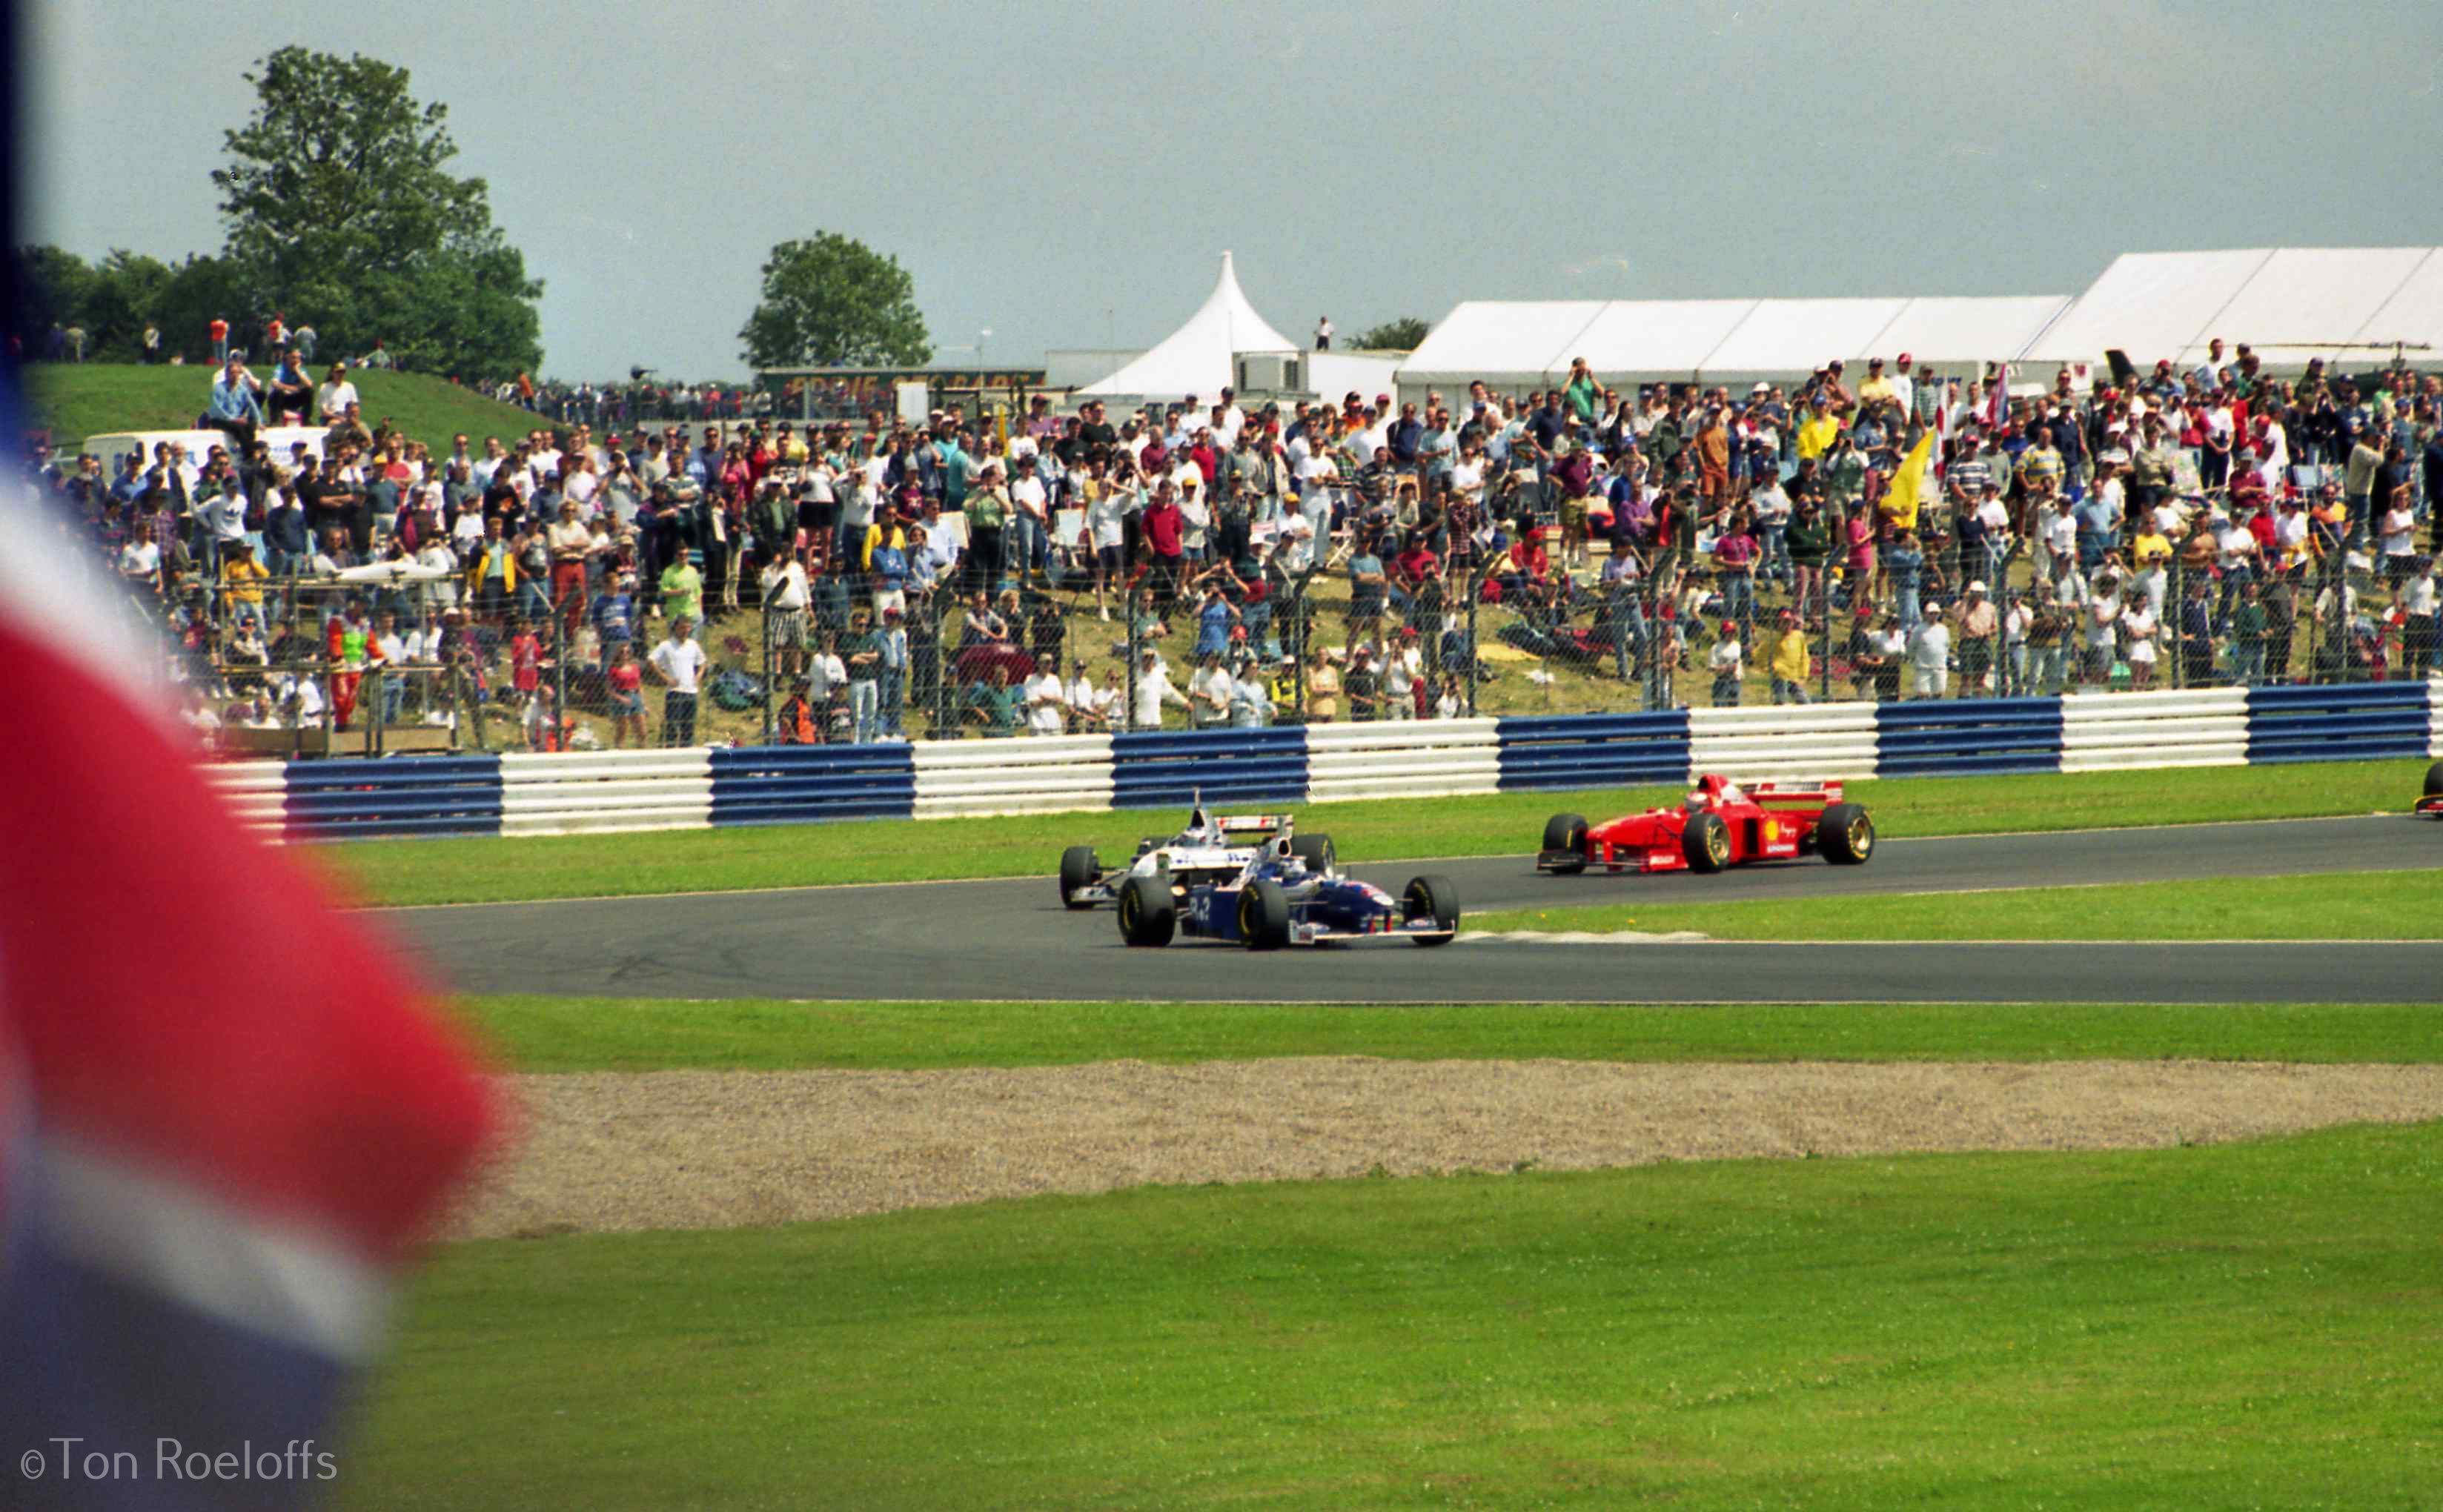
{"x":1253,"y":823}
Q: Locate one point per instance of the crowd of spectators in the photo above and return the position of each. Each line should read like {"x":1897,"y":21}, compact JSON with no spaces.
{"x":1215,"y":563}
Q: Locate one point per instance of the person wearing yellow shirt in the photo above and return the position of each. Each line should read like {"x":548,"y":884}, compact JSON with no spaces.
{"x":2150,"y":546}
{"x":1818,"y":431}
{"x":242,"y":578}
{"x":1790,"y":661}
{"x":1877,"y":389}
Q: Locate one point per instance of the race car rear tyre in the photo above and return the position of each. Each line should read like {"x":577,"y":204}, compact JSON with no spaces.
{"x":1147,"y":915}
{"x":1706,"y":842}
{"x":1566,"y":832}
{"x":1080,"y":868}
{"x":1846,"y":835}
{"x":1263,"y":915}
{"x":1432,"y":897}
{"x":2435,"y":780}
{"x":1317,"y":851}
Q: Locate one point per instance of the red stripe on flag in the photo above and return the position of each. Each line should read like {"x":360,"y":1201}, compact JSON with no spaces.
{"x":188,"y":998}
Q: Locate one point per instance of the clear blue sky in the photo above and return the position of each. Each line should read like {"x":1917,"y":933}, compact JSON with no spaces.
{"x":1064,"y":173}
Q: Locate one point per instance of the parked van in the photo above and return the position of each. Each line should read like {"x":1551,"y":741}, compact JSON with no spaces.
{"x":197,"y":445}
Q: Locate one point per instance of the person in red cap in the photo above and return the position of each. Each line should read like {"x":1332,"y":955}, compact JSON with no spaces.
{"x":1903,"y":381}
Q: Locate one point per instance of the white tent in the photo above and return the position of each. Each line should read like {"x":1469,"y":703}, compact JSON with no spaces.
{"x":1521,"y":344}
{"x":2291,"y":303}
{"x":1200,"y":356}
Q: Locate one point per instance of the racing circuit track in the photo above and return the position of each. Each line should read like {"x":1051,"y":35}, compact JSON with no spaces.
{"x":1011,"y":939}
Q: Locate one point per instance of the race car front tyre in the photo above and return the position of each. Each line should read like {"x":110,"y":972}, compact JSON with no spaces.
{"x":1263,"y":915}
{"x":1432,"y":897}
{"x":1147,"y":916}
{"x":1565,"y":832}
{"x":1080,"y":869}
{"x":1315,"y":851}
{"x":2435,"y":780}
{"x":1846,"y":835}
{"x":1706,"y":842}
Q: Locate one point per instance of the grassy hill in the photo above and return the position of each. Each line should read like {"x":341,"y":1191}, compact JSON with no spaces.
{"x":92,"y":398}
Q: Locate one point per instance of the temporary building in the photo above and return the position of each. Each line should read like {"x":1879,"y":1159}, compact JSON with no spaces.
{"x":2291,"y":303}
{"x":1521,"y":344}
{"x":1200,"y":358}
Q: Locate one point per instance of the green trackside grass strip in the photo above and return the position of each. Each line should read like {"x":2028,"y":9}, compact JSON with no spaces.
{"x":92,"y":398}
{"x":2239,"y":1326}
{"x":494,"y":870}
{"x":550,"y":1034}
{"x":2332,"y":906}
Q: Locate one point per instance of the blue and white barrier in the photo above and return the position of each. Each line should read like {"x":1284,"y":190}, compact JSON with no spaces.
{"x":1289,"y":765}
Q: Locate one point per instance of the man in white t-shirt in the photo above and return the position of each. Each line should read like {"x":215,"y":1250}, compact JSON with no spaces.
{"x":679,"y":663}
{"x":1929,"y":656}
{"x":332,"y":398}
{"x":1153,"y":689}
{"x":1403,"y":663}
{"x":1208,"y":695}
{"x":1047,"y":702}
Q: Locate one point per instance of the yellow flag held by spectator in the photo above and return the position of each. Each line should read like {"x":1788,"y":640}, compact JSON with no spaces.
{"x":1908,"y":488}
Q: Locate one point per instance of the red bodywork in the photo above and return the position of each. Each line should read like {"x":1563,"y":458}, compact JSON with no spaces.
{"x":1768,"y":822}
{"x":2432,"y":806}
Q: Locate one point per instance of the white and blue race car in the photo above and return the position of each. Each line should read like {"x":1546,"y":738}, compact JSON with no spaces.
{"x":1278,"y":900}
{"x":1208,"y":850}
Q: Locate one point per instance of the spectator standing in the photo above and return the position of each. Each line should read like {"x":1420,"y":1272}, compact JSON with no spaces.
{"x":679,"y":662}
{"x":1727,"y":661}
{"x":218,"y":330}
{"x":1790,"y":661}
{"x":1323,"y":333}
{"x":1153,"y":689}
{"x":1929,"y":656}
{"x":148,"y":350}
{"x":1979,"y":625}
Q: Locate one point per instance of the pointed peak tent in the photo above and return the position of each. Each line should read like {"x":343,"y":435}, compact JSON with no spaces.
{"x":1201,"y":357}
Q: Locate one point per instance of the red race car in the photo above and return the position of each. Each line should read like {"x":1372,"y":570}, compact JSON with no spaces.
{"x":2432,"y":804}
{"x":1721,"y":824}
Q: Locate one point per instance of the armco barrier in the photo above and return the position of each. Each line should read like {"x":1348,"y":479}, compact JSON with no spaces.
{"x":597,"y":792}
{"x":1152,"y":770}
{"x":406,"y":795}
{"x":2203,"y":727}
{"x":669,"y":789}
{"x":1819,"y":740}
{"x":2351,"y":722}
{"x":1439,"y":757}
{"x":1593,"y":750}
{"x":786,"y":785}
{"x":1052,"y":775}
{"x":1968,"y":736}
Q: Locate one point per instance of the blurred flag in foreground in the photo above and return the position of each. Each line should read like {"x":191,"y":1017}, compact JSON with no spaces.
{"x":226,"y":1114}
{"x":1910,"y":485}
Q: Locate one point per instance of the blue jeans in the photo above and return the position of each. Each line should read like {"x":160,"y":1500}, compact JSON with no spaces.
{"x":1775,"y":561}
{"x":1628,"y":634}
{"x":1032,"y":544}
{"x":894,"y":699}
{"x":2247,"y":663}
{"x":2052,"y":664}
{"x":1738,"y":597}
{"x":864,"y":703}
{"x":1905,"y":604}
{"x":1786,"y":691}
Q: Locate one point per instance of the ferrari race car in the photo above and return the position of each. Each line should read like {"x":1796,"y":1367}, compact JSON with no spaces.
{"x":2432,"y":804}
{"x":1721,"y":824}
{"x":1208,"y":850}
{"x":1278,"y":900}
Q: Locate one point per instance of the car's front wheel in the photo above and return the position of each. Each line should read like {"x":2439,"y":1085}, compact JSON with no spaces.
{"x":1079,"y":870}
{"x":1565,"y":832}
{"x":1317,"y":851}
{"x":1263,"y":914}
{"x":1435,"y":899}
{"x":1706,"y":842}
{"x":1147,"y":914}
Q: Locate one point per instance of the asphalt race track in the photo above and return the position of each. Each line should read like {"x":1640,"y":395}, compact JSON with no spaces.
{"x":1013,"y":940}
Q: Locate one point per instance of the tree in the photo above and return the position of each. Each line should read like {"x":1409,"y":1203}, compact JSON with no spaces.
{"x":53,"y":287}
{"x":342,"y":211}
{"x":127,"y":290}
{"x":835,"y":301}
{"x":1405,"y":334}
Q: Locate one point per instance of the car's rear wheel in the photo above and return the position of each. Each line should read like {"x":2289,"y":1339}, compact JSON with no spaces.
{"x":1706,"y":842}
{"x":1846,"y":835}
{"x":2435,"y":780}
{"x":1566,"y":832}
{"x":1147,"y":915}
{"x":1317,"y":851}
{"x":1263,"y":914}
{"x":1079,"y":868}
{"x":1432,"y":898}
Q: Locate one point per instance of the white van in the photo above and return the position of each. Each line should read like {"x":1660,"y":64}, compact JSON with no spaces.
{"x":197,"y":445}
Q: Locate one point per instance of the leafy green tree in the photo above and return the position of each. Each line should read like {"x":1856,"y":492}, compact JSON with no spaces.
{"x":831,"y":300}
{"x":1405,"y":334}
{"x":127,"y":290}
{"x":54,"y":286}
{"x":341,"y":210}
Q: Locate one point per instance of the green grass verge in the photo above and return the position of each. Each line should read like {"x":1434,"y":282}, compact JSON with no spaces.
{"x":2241,"y":1326}
{"x":92,"y":398}
{"x":2330,"y":906}
{"x":550,"y":1034}
{"x":493,"y":870}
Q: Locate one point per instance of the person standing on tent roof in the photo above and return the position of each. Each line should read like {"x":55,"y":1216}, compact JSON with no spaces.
{"x":1323,"y":333}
